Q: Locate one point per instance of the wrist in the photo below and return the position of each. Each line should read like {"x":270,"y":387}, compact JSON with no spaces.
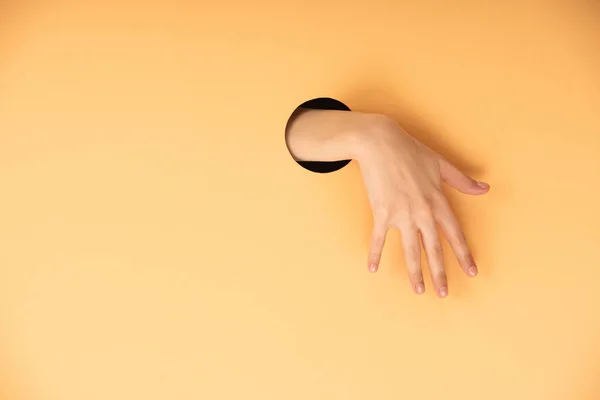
{"x":328,"y":135}
{"x":368,"y":134}
{"x":331,"y":135}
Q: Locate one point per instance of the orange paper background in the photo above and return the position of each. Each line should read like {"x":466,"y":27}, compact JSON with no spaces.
{"x":157,"y":241}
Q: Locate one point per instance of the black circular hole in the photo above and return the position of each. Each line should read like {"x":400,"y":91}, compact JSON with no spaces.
{"x":324,"y":103}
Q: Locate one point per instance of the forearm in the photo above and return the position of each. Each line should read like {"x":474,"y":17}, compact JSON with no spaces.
{"x":328,"y":135}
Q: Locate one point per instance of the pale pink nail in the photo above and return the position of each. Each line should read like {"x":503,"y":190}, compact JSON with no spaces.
{"x":483,"y":185}
{"x":420,"y":288}
{"x":373,"y":268}
{"x":443,"y":291}
{"x":473,"y":270}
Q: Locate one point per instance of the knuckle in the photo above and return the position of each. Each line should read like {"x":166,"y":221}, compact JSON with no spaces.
{"x":459,"y":239}
{"x":376,"y":244}
{"x":375,"y":252}
{"x":402,"y":211}
{"x":468,"y":259}
{"x":465,"y":259}
{"x":440,"y":278}
{"x":403,"y":222}
{"x":413,"y":254}
{"x":422,"y":212}
{"x":416,"y":277}
{"x":382,"y":212}
{"x":436,"y":250}
{"x":460,"y":248}
{"x":438,"y":197}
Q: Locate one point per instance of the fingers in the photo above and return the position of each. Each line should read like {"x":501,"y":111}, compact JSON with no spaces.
{"x":424,"y":222}
{"x":456,"y":238}
{"x":412,"y":251}
{"x":412,"y":256}
{"x":461,"y":182}
{"x":377,"y":242}
{"x":433,"y":251}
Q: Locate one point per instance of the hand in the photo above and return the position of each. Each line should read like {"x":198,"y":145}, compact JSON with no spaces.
{"x":403,"y":179}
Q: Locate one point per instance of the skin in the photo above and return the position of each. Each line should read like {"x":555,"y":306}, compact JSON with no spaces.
{"x":403,"y":179}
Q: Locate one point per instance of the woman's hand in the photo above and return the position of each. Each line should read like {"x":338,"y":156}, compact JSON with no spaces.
{"x":403,"y":180}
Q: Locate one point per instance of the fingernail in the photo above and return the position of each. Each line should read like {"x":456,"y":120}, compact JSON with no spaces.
{"x":483,"y":185}
{"x":373,"y":268}
{"x":420,"y":288}
{"x":473,"y":270}
{"x":444,"y":291}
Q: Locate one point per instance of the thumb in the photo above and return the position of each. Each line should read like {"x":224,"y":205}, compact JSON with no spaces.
{"x":461,"y":182}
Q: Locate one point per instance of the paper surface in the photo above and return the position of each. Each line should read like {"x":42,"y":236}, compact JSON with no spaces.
{"x":158,"y":241}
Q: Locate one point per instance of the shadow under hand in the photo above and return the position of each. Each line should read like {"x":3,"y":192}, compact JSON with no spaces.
{"x":376,"y":97}
{"x":13,"y":14}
